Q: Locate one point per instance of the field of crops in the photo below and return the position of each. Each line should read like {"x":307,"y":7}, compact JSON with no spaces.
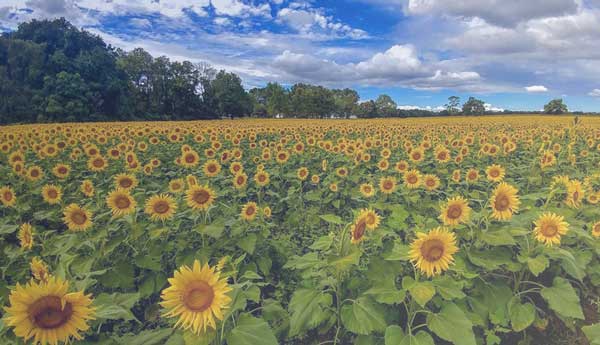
{"x":416,"y":232}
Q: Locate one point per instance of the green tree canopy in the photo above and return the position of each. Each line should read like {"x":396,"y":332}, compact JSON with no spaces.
{"x":555,"y":106}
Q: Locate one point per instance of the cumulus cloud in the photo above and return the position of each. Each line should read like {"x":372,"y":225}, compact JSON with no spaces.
{"x":595,"y":93}
{"x":536,"y":88}
{"x":311,"y":21}
{"x":506,"y":13}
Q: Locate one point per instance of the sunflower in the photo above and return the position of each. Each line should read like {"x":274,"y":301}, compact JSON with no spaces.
{"x":39,"y":269}
{"x":282,"y":157}
{"x":431,"y":182}
{"x":45,"y":312}
{"x":61,"y":170}
{"x":77,"y":218}
{"x":387,"y":185}
{"x":240,"y":180}
{"x":575,"y":193}
{"x":189,"y":159}
{"x":401,"y":166}
{"x":191,"y":180}
{"x":249,"y":211}
{"x":96,"y":163}
{"x":120,"y":202}
{"x":367,"y":190}
{"x":333,"y":187}
{"x":302,"y":173}
{"x":160,"y":207}
{"x":196,"y":296}
{"x":262,"y":178}
{"x":51,"y":194}
{"x":504,"y":201}
{"x":455,"y":211}
{"x":200,"y":197}
{"x":472,"y":176}
{"x":456,"y":176}
{"x":432,"y":252}
{"x":341,"y":172}
{"x":358,"y":230}
{"x":549,"y":227}
{"x":267,"y":212}
{"x":495,"y":173}
{"x":126,"y":182}
{"x":412,"y":179}
{"x":596,"y":230}
{"x":370,"y":217}
{"x":26,"y":236}
{"x":35,"y":173}
{"x":211,"y":168}
{"x":176,"y":185}
{"x":7,"y":196}
{"x":87,"y":188}
{"x":416,"y":155}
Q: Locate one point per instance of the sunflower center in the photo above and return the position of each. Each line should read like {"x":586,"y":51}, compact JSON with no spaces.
{"x":370,"y":219}
{"x":250,"y":210}
{"x":79,"y":217}
{"x":161,"y":207}
{"x":98,"y":163}
{"x":190,"y":158}
{"x":502,"y":203}
{"x":125,"y":183}
{"x":412,"y":179}
{"x":52,"y":194}
{"x":240,"y":180}
{"x":212,"y":168}
{"x":48,"y":313}
{"x":199,"y":296}
{"x":576,"y":195}
{"x":35,"y":173}
{"x":201,"y":197}
{"x":432,"y":250}
{"x":454,"y":212}
{"x":8,"y":196}
{"x":550,"y":230}
{"x":494,"y":173}
{"x":62,"y":170}
{"x":430,"y":183}
{"x":388,"y":185}
{"x":122,"y":202}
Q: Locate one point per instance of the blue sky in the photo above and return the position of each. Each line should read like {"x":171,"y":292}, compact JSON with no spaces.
{"x":513,"y":54}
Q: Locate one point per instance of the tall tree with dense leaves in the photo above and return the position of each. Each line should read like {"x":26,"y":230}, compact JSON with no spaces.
{"x":231,"y":98}
{"x":556,"y":106}
{"x":473,"y":106}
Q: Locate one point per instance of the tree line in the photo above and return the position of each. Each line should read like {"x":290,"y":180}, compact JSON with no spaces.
{"x":51,"y":71}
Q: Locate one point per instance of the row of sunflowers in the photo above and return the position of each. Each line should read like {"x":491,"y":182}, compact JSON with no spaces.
{"x":395,"y":231}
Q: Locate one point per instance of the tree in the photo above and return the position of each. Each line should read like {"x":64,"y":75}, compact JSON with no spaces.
{"x":345,"y":101}
{"x":231,"y":98}
{"x":386,"y":106}
{"x":452,"y":105}
{"x":473,"y":106}
{"x":311,"y":101}
{"x":556,"y":106}
{"x":367,"y":109}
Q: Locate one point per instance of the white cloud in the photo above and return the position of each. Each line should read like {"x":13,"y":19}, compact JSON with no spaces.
{"x":489,"y":107}
{"x":310,"y":21}
{"x":595,"y":93}
{"x":536,"y":88}
{"x":237,"y":8}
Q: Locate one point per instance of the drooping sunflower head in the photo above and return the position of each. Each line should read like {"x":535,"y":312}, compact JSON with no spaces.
{"x":367,"y":190}
{"x":249,"y":211}
{"x":120,"y":202}
{"x":160,"y":207}
{"x":432,"y":252}
{"x":575,"y":193}
{"x":196,"y":296}
{"x":456,"y":176}
{"x":267,"y":212}
{"x":51,"y":194}
{"x":126,"y":181}
{"x":26,"y":236}
{"x":455,"y":211}
{"x":359,"y":228}
{"x":333,"y":187}
{"x":7,"y":196}
{"x":45,"y":312}
{"x":495,"y":173}
{"x":200,"y":197}
{"x":87,"y":188}
{"x":77,"y":218}
{"x":39,"y":269}
{"x":412,"y":179}
{"x":596,"y":230}
{"x":387,"y":184}
{"x":549,"y":227}
{"x":370,"y":217}
{"x":504,"y":201}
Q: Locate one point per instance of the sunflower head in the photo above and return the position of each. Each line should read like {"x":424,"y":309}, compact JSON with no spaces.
{"x":176,"y":185}
{"x":302,"y":173}
{"x":39,"y":269}
{"x":371,"y":218}
{"x":387,"y":185}
{"x":26,"y":236}
{"x":495,"y":173}
{"x":160,"y":207}
{"x":412,"y":179}
{"x":196,"y":296}
{"x":77,"y":218}
{"x":97,"y":163}
{"x":504,"y":201}
{"x":200,"y":197}
{"x":367,"y":190}
{"x":240,"y":180}
{"x":549,"y":227}
{"x":431,"y":182}
{"x":7,"y":196}
{"x":51,"y":194}
{"x":211,"y":168}
{"x":455,"y":211}
{"x":472,"y":176}
{"x":44,"y":311}
{"x":359,"y":228}
{"x":432,"y":252}
{"x":126,"y":181}
{"x":120,"y":202}
{"x":575,"y":193}
{"x":87,"y":188}
{"x":249,"y":211}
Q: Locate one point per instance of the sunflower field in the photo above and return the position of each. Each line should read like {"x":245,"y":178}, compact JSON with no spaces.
{"x":430,"y":231}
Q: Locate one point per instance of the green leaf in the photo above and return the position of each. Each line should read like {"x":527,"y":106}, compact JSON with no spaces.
{"x":344,"y":262}
{"x":563,"y":299}
{"x":452,"y":325}
{"x":521,"y":315}
{"x":332,"y":219}
{"x":399,"y":252}
{"x":322,"y":243}
{"x":148,"y":337}
{"x":498,"y":238}
{"x":567,"y":262}
{"x":214,"y":230}
{"x":306,"y":261}
{"x":393,"y":335}
{"x":248,"y":243}
{"x":386,"y":294}
{"x":422,"y":292}
{"x":592,"y":333}
{"x":115,"y":306}
{"x":421,"y":338}
{"x":8,"y":229}
{"x":363,"y":316}
{"x":538,"y":264}
{"x":449,"y":288}
{"x":308,"y":308}
{"x":250,"y":331}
